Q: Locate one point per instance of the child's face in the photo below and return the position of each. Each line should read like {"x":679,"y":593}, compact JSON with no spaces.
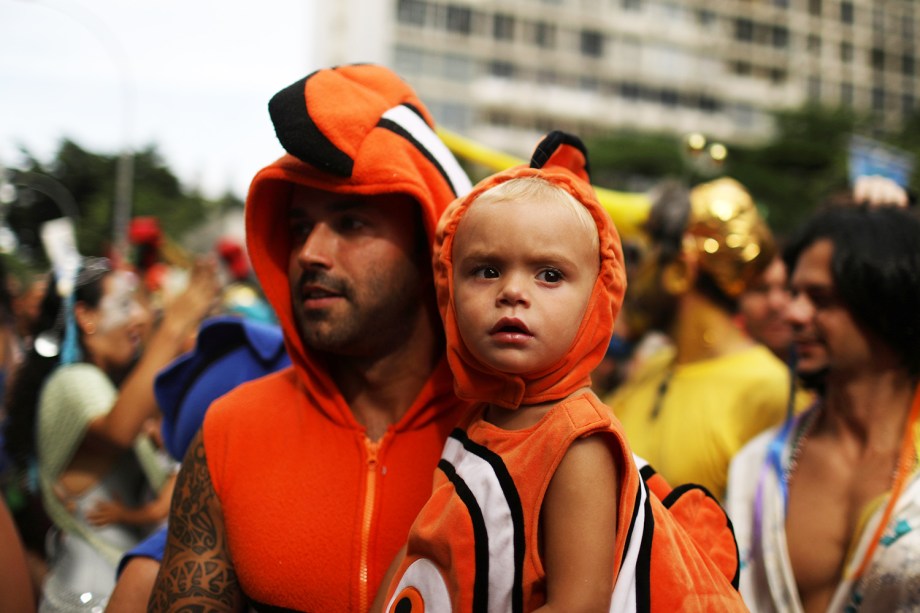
{"x":523,"y":275}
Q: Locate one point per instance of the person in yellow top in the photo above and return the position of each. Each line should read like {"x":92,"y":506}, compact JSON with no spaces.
{"x":691,"y":406}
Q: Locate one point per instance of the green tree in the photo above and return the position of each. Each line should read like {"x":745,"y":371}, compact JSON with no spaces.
{"x":89,"y":179}
{"x":803,"y":165}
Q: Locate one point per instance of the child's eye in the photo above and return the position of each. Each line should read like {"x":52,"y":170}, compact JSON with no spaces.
{"x":485,"y":272}
{"x":550,"y":275}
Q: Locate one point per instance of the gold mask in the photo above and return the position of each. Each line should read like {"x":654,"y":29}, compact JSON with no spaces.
{"x":731,"y":240}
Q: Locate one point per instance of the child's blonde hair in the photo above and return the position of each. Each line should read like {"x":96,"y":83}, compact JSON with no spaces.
{"x":533,"y":188}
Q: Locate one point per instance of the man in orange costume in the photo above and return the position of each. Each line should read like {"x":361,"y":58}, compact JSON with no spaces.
{"x":302,"y":485}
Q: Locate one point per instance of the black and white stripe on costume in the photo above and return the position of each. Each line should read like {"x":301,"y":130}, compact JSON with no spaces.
{"x":485,"y":487}
{"x":406,"y":121}
{"x":493,"y":498}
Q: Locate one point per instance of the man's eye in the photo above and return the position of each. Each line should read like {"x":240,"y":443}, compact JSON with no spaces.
{"x":299,"y":228}
{"x":349,"y":223}
{"x":486,"y":272}
{"x":550,"y":275}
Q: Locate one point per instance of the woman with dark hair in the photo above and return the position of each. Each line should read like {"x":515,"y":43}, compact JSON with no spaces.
{"x":77,"y":407}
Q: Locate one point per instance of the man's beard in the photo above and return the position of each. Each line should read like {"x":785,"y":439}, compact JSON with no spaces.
{"x":815,"y":380}
{"x":367,"y":328}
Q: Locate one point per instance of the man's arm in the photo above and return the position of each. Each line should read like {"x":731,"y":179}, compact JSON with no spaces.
{"x":197,"y":572}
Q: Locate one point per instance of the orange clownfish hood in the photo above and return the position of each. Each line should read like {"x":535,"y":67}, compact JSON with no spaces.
{"x":560,"y":159}
{"x":357,"y":129}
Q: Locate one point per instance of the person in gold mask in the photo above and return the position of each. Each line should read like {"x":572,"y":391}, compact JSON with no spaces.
{"x":690,"y":406}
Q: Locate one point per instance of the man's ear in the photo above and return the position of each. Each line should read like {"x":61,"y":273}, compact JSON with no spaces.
{"x":679,"y":275}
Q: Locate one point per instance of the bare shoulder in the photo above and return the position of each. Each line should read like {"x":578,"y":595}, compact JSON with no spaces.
{"x":591,"y":456}
{"x":578,"y":526}
{"x":197,"y":572}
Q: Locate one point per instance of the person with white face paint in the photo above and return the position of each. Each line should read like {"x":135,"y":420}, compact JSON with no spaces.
{"x":78,"y":406}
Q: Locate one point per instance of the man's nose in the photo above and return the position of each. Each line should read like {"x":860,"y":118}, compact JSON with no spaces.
{"x":318,"y":248}
{"x":778,"y":298}
{"x":798,"y":310}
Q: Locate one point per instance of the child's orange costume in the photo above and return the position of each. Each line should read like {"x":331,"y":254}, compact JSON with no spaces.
{"x":474,"y":546}
{"x":314,"y":511}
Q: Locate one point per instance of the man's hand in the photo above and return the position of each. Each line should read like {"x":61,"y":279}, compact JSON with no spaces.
{"x":876,"y":190}
{"x":107,"y":512}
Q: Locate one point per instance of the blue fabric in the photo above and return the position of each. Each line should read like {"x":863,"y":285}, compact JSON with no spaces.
{"x":70,"y":350}
{"x":151,"y":547}
{"x":229,"y":351}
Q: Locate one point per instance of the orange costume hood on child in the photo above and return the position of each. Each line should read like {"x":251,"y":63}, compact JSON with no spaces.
{"x":560,"y":159}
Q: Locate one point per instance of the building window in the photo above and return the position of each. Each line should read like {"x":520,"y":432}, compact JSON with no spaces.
{"x":459,"y":19}
{"x":589,"y":84}
{"x":846,"y":11}
{"x":907,"y":65}
{"x":458,"y":68}
{"x":814,"y":88}
{"x":547,"y":77}
{"x":632,"y":5}
{"x":907,"y":104}
{"x":630,"y":91}
{"x":777,"y":75}
{"x":501,"y":69}
{"x":744,"y":29}
{"x":499,"y":118}
{"x":743,"y":114}
{"x":878,"y":20}
{"x":780,"y":37}
{"x":669,"y":97}
{"x":878,"y":99}
{"x":411,"y":12}
{"x":408,"y":61}
{"x":503,"y":27}
{"x":544,"y":35}
{"x":878,"y":58}
{"x":454,"y":115}
{"x":592,"y":43}
{"x":814,"y":44}
{"x":709,"y":104}
{"x":846,"y":94}
{"x":705,"y":17}
{"x":814,"y":7}
{"x":846,"y":52}
{"x":741,"y":68}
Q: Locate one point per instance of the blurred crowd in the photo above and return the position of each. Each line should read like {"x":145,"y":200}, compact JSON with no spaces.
{"x":89,"y":454}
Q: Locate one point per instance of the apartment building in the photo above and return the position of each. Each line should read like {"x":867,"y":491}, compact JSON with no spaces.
{"x":503,"y":72}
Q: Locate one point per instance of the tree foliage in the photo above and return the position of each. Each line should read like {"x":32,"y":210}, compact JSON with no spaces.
{"x":81,"y":184}
{"x":803,"y":165}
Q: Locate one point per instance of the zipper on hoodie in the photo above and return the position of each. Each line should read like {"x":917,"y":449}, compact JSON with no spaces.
{"x":370,"y":492}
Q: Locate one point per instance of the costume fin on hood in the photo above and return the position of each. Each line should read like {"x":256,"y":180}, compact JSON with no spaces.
{"x":560,"y":159}
{"x":356,"y":129}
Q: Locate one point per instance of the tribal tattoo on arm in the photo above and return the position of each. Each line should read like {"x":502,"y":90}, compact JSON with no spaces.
{"x":197,"y":573}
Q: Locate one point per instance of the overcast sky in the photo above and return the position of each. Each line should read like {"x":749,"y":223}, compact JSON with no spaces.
{"x":192,"y":77}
